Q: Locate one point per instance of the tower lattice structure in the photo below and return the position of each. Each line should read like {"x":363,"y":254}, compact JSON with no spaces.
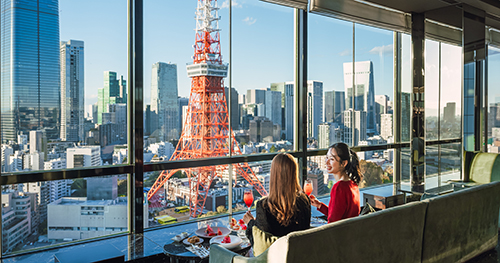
{"x":206,"y":129}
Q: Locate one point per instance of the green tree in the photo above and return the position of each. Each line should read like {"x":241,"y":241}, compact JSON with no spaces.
{"x":122,"y":187}
{"x":273,"y":149}
{"x":372,"y":173}
{"x":221,"y":209}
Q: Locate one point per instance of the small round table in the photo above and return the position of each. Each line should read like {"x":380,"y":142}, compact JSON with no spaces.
{"x":178,"y":253}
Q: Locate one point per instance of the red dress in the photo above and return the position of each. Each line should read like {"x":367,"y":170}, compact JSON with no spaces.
{"x":344,"y":201}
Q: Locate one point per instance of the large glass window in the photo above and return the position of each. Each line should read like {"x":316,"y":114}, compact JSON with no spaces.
{"x":493,"y":103}
{"x":330,"y":52}
{"x":40,"y":214}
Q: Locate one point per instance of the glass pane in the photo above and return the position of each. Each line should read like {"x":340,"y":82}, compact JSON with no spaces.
{"x":374,"y":84}
{"x":326,"y":62}
{"x":432,"y":67}
{"x":406,"y":87}
{"x":55,"y":212}
{"x":262,"y":76}
{"x":493,"y":100}
{"x":451,"y":95}
{"x":64,"y":87}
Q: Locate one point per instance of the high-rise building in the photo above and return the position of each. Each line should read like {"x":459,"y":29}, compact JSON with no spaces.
{"x":72,"y":90}
{"x":334,"y":106}
{"x":354,"y":122}
{"x":256,"y":96}
{"x":95,"y":112}
{"x":289,"y":105}
{"x":449,"y":112}
{"x":314,"y":107}
{"x":30,"y":77}
{"x":114,"y":91}
{"x":183,"y":103}
{"x":329,"y":133}
{"x":381,"y":107}
{"x":405,"y":116}
{"x":280,"y":86}
{"x":273,"y":106}
{"x":233,"y":104}
{"x":164,"y":100}
{"x":386,"y":125}
{"x":364,"y":93}
{"x":260,"y":130}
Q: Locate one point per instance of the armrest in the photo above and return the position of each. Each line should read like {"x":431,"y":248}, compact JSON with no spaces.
{"x":219,"y":254}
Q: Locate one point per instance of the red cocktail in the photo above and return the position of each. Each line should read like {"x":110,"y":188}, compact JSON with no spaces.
{"x":248,"y":198}
{"x":308,"y":187}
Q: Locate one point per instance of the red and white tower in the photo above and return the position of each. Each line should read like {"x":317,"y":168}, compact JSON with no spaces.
{"x":206,"y":129}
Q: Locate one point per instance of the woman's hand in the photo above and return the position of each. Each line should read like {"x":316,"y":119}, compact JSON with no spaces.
{"x":247,"y":217}
{"x":315,"y":202}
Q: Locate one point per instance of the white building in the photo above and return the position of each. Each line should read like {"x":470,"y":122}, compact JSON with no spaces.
{"x":120,"y":154}
{"x":54,"y":164}
{"x":33,"y":161}
{"x":162,"y":149}
{"x":75,"y":218}
{"x":7,"y":151}
{"x":72,"y":90}
{"x":329,"y":133}
{"x":16,"y":219}
{"x":164,"y":103}
{"x":386,"y":126}
{"x":83,"y":156}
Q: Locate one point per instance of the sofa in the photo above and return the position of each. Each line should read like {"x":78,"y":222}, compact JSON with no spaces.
{"x":451,"y":228}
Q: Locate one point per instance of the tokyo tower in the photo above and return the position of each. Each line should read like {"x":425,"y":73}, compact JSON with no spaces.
{"x":206,"y":129}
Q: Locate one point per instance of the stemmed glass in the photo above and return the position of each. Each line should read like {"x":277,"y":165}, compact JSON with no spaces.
{"x":308,"y":187}
{"x":248,"y":198}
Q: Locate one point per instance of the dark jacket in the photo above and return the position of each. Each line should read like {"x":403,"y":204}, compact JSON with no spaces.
{"x":267,"y":222}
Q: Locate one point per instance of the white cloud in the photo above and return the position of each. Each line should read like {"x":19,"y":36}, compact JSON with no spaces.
{"x":225,"y":4}
{"x":249,"y":20}
{"x":382,"y":50}
{"x":346,"y":52}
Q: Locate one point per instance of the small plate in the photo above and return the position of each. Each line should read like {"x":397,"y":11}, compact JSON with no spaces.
{"x":180,"y":237}
{"x":201,"y":232}
{"x":186,"y":242}
{"x":235,"y":241}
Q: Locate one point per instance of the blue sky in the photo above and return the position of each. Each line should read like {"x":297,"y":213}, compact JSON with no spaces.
{"x":262,"y":43}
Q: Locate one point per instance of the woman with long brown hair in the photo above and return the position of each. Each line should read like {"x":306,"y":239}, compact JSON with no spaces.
{"x":286,"y":208}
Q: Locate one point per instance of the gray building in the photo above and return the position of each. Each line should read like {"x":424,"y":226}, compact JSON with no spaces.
{"x":314,"y":107}
{"x":261,"y":130}
{"x":273,"y":107}
{"x":256,"y":96}
{"x":334,"y":106}
{"x":164,"y":100}
{"x":72,"y":90}
{"x":234,"y":106}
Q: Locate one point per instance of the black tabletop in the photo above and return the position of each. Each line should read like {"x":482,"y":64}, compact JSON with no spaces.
{"x":177,"y":250}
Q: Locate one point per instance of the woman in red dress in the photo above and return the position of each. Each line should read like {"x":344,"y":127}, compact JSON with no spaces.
{"x":343,"y":163}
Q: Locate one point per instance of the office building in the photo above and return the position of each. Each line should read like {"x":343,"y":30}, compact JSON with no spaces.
{"x":234,"y":106}
{"x":183,"y":103}
{"x":164,"y":100}
{"x":72,"y":90}
{"x":381,"y":107}
{"x":256,"y":96}
{"x":334,"y":106}
{"x":260,"y":130}
{"x":114,"y":91}
{"x":273,"y":107}
{"x":83,"y":156}
{"x":364,"y":93}
{"x":449,"y":112}
{"x":329,"y":133}
{"x":30,"y":75}
{"x":289,"y":115}
{"x":314,"y":107}
{"x":354,"y":127}
{"x":386,"y":126}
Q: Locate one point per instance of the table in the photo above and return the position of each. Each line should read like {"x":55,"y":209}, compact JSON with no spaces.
{"x":178,"y":253}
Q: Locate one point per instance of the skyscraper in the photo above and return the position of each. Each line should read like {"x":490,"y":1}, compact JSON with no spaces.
{"x":114,"y":91}
{"x":289,"y":112}
{"x":405,"y":116}
{"x":235,"y":108}
{"x":273,"y":106}
{"x":30,"y":68}
{"x":164,"y":100}
{"x":449,"y":112}
{"x":354,"y":122}
{"x":381,"y":107}
{"x":256,"y":96}
{"x":183,"y":103}
{"x":334,"y":106}
{"x":72,"y":90}
{"x":364,"y":93}
{"x":314,"y":107}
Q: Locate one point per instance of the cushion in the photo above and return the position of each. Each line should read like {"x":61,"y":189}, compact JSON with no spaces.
{"x":261,"y":240}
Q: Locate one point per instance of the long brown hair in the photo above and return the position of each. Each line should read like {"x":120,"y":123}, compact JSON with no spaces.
{"x":283,"y":188}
